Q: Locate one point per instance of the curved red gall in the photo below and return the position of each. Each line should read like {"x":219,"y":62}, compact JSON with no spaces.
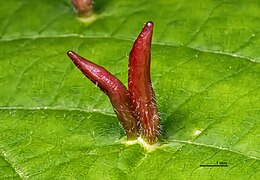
{"x":114,"y":89}
{"x":140,"y":87}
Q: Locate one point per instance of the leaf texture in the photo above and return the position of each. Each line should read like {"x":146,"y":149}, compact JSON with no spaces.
{"x":205,"y":71}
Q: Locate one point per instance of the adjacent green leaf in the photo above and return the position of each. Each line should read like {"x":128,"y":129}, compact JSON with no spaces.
{"x":205,"y":70}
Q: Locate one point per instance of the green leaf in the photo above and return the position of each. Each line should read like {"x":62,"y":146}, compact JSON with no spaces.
{"x":55,"y":124}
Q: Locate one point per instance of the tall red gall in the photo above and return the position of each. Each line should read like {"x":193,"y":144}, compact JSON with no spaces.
{"x":114,"y":89}
{"x":140,"y":87}
{"x":136,"y":107}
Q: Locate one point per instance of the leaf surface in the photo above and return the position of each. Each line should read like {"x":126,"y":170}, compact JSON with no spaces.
{"x":205,"y":71}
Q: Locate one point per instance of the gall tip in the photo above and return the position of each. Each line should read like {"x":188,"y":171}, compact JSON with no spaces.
{"x":69,"y":53}
{"x":148,"y":28}
{"x":149,"y":24}
{"x":72,"y":55}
